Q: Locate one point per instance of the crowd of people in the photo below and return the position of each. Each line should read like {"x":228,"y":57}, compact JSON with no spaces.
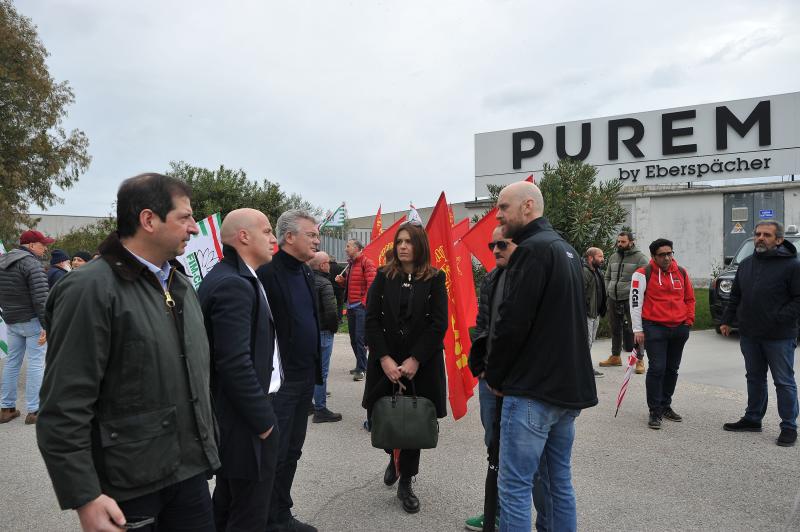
{"x":150,"y":388}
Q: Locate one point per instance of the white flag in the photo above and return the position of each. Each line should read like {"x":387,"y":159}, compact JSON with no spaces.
{"x":335,"y":219}
{"x":413,"y":216}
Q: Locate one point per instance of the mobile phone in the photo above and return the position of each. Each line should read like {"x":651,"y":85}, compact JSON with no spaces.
{"x":137,"y":521}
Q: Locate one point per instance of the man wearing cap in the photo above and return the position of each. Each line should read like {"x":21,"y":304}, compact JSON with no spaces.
{"x":60,"y":265}
{"x":80,"y":258}
{"x":23,"y":293}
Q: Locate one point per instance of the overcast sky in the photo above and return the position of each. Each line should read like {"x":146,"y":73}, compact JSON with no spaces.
{"x":376,"y":101}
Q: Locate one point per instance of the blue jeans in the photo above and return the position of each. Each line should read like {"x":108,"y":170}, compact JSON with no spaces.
{"x":22,"y":336}
{"x":778,"y":355}
{"x":356,"y":323}
{"x":541,"y":492}
{"x":532,"y":431}
{"x":320,"y":390}
{"x":664,"y":352}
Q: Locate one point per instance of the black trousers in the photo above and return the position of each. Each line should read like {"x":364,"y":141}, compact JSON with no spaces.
{"x":242,"y":505}
{"x":409,"y":461}
{"x":181,"y":507}
{"x":664,"y":351}
{"x":619,"y":319}
{"x":291,"y":405}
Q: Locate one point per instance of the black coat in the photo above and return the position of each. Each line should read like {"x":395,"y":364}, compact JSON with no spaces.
{"x":241,"y":334}
{"x":766,"y":294}
{"x":274,"y":276}
{"x":540,"y":346}
{"x":326,"y":303}
{"x":478,"y":354}
{"x":423,"y":339}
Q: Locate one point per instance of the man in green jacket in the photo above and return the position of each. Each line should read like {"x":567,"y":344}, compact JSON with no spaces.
{"x":125,"y":425}
{"x":619,"y":271}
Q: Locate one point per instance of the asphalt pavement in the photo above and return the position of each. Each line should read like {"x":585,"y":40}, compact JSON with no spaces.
{"x":687,"y":476}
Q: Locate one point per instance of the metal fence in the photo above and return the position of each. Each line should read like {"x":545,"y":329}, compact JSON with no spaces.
{"x":334,"y":246}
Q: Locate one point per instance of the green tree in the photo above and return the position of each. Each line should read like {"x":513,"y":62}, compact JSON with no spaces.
{"x":36,"y":153}
{"x":86,"y":238}
{"x":585,"y":212}
{"x":223,"y":190}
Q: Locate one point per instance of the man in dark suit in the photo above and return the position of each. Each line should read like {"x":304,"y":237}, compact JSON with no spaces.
{"x":290,"y":287}
{"x":246,"y":372}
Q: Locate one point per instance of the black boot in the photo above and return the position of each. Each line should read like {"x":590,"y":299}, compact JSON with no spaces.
{"x":406,"y":494}
{"x":390,"y":476}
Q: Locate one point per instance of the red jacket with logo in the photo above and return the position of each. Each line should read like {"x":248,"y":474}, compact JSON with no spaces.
{"x":360,"y":274}
{"x":666,"y":298}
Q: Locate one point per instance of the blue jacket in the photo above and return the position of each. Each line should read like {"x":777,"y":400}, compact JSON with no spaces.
{"x":241,"y":335}
{"x":766,"y":294}
{"x":275,"y":278}
{"x":54,"y":274}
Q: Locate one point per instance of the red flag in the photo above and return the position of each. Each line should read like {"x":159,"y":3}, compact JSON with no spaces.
{"x":460,"y":229}
{"x":380,"y":247}
{"x":469,"y":300}
{"x":377,"y":226}
{"x":478,"y":238}
{"x":460,"y":381}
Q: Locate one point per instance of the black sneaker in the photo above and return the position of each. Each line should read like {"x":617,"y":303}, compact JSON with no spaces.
{"x":743,"y":425}
{"x":311,"y":409}
{"x":353,"y":371}
{"x":655,"y":421}
{"x":670,"y":414}
{"x":359,"y":376}
{"x":787,"y":438}
{"x":597,"y":374}
{"x":325,"y":416}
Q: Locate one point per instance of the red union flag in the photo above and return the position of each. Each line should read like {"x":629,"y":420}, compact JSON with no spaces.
{"x":478,"y":238}
{"x":460,"y":381}
{"x":377,"y":226}
{"x":469,"y":300}
{"x":381,"y":247}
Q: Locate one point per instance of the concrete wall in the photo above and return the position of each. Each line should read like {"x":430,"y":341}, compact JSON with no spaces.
{"x":54,"y":225}
{"x":692,"y":221}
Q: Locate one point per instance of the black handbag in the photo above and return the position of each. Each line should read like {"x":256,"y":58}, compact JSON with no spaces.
{"x":404,"y":422}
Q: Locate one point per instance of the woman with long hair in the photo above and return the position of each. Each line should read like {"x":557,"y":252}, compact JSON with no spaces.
{"x":406,"y":323}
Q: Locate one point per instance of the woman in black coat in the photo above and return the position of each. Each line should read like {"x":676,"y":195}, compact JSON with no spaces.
{"x":406,"y":323}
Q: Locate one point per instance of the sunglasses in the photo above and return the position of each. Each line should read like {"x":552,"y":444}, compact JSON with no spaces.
{"x":502,"y":245}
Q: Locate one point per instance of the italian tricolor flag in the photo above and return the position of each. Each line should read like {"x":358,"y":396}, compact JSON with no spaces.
{"x":204,"y":250}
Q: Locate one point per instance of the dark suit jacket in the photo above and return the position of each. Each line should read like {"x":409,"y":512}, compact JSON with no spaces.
{"x":423,"y":338}
{"x":274,"y":278}
{"x":241,"y":333}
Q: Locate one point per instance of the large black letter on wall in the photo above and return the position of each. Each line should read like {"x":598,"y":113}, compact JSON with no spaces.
{"x":631,"y":143}
{"x":668,"y":134}
{"x":586,"y":142}
{"x":760,"y":114}
{"x":519,"y":153}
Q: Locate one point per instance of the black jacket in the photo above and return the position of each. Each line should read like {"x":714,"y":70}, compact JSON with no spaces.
{"x":241,"y":335}
{"x":23,"y":287}
{"x":326,"y":303}
{"x":478,"y":354}
{"x":423,"y":337}
{"x":540,"y":347}
{"x":766,"y":294}
{"x":274,"y":277}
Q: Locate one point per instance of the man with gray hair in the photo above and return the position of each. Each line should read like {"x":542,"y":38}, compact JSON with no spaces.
{"x":357,"y":279}
{"x":328,"y":325}
{"x":291,"y":292}
{"x":765,"y":298}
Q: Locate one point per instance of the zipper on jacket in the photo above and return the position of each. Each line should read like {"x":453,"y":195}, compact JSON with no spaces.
{"x":167,"y":296}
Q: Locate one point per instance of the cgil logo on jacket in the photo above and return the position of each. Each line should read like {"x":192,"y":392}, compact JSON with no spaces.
{"x":635,"y":293}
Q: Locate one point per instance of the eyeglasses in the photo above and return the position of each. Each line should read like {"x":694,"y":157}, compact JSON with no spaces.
{"x":312,"y":235}
{"x":665,"y":254}
{"x":502,"y":245}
